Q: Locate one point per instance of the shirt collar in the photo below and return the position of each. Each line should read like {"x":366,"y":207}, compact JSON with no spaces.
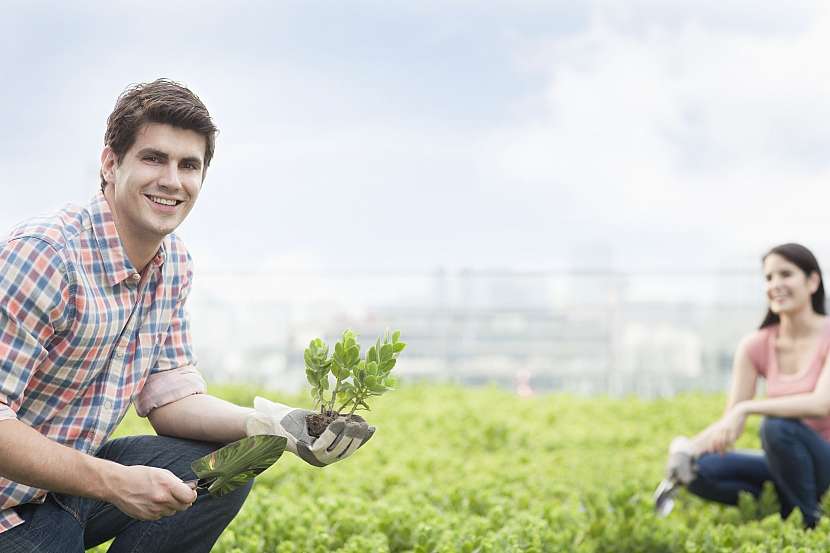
{"x":117,"y":265}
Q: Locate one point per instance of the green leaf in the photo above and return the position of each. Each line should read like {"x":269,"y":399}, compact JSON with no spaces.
{"x":341,"y":372}
{"x":395,"y":336}
{"x":386,"y":351}
{"x":387,"y":365}
{"x":353,"y":355}
{"x":399,"y":347}
{"x":372,"y":368}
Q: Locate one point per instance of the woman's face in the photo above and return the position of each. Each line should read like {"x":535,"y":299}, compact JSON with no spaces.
{"x":788,"y":288}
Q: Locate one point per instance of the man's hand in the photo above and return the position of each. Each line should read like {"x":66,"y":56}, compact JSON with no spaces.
{"x":339,"y":440}
{"x":149,"y":493}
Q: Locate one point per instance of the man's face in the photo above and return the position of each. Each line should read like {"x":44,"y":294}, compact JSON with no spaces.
{"x":156,"y":183}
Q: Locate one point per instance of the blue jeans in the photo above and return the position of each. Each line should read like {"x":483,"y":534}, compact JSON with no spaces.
{"x":70,"y":524}
{"x":795,"y":458}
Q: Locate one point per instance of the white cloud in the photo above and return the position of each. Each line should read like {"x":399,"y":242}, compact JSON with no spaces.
{"x":683,"y":127}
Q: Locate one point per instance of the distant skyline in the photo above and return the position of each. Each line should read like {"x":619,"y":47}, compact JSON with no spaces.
{"x":522,"y":135}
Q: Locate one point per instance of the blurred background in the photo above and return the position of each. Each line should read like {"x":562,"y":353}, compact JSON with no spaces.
{"x":548,"y":195}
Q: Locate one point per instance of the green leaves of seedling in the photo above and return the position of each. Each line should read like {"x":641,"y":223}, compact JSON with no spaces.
{"x":317,"y":366}
{"x":356,"y":379}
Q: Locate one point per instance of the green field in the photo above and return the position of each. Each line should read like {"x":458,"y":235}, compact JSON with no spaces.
{"x":480,"y":470}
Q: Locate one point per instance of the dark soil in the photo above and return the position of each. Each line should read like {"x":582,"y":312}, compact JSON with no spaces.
{"x":317,"y":422}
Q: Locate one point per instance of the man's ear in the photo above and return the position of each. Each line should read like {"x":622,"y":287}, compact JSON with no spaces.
{"x":109,"y":162}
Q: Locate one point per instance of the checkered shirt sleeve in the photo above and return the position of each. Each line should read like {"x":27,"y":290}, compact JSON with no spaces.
{"x":175,"y":375}
{"x":35,"y":307}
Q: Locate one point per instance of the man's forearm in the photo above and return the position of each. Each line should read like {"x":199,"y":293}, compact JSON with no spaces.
{"x":201,"y":417}
{"x":32,"y":459}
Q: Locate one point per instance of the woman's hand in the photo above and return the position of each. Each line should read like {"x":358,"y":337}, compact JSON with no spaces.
{"x":728,"y":430}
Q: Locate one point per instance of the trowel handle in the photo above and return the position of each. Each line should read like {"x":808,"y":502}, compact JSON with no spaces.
{"x":197,"y":484}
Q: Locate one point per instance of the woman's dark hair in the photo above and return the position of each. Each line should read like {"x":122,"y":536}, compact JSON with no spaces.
{"x":804,"y":259}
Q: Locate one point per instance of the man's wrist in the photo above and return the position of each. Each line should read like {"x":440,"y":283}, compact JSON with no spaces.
{"x":104,"y":478}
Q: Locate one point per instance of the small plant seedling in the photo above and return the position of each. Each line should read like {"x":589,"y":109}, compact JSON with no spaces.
{"x":355,"y":379}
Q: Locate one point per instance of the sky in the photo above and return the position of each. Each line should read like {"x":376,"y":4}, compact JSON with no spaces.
{"x":635,"y":135}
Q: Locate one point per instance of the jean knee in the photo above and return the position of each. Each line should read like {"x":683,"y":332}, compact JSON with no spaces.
{"x":705,"y":465}
{"x":776,"y":431}
{"x":230,"y":504}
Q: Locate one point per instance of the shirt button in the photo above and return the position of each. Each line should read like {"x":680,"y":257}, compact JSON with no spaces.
{"x":119,"y":354}
{"x":108,"y":404}
{"x":136,"y":277}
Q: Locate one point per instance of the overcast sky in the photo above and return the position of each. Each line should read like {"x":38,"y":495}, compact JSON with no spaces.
{"x":382,"y":135}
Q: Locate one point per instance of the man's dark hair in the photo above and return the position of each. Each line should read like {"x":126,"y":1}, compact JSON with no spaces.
{"x":804,"y":259}
{"x":161,"y":101}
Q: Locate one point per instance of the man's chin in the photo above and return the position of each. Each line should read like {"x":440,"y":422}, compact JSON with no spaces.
{"x":159,"y":231}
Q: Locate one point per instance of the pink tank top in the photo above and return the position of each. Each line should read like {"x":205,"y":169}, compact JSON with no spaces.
{"x":762,"y":354}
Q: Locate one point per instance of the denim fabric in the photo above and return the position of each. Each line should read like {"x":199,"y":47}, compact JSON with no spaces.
{"x":795,"y":458}
{"x":70,"y":524}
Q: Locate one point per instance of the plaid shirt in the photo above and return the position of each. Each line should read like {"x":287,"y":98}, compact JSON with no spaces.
{"x":83,"y":334}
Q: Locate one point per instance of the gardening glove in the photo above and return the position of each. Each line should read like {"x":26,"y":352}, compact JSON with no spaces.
{"x":339,"y":440}
{"x":681,"y":469}
{"x":682,"y":464}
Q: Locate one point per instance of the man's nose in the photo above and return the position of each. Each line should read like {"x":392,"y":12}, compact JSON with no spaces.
{"x":170,"y":177}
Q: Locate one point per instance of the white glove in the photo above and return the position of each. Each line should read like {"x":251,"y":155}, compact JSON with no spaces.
{"x":681,"y":466}
{"x":339,"y":440}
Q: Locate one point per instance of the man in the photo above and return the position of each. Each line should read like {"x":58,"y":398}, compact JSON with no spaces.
{"x":92,"y":320}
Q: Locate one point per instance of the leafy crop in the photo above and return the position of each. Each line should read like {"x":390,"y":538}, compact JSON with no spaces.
{"x":355,"y":379}
{"x":481,"y":470}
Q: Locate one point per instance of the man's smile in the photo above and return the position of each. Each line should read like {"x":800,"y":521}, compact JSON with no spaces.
{"x":167,"y":205}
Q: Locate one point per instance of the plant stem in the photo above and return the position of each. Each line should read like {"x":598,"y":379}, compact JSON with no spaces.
{"x":334,"y":394}
{"x":357,"y":400}
{"x":339,"y":409}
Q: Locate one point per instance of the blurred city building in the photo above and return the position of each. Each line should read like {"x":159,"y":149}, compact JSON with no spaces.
{"x":580,"y":331}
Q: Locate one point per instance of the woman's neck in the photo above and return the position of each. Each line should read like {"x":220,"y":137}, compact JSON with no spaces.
{"x":802,"y":323}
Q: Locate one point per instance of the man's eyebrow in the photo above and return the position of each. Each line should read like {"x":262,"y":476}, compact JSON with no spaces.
{"x":152,"y":151}
{"x":196,"y":161}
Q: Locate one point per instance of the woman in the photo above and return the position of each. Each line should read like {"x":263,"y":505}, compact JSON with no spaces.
{"x":790,"y":350}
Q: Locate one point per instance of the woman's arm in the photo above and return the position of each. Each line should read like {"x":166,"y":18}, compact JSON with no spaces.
{"x":742,"y":389}
{"x":812,"y":404}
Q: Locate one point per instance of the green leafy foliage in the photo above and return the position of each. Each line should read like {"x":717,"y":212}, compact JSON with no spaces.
{"x":483,"y":471}
{"x":356,"y":379}
{"x":317,"y":367}
{"x":372,"y":375}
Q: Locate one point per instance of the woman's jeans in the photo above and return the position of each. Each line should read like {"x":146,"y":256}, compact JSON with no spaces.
{"x":69,"y":524}
{"x":795,"y":458}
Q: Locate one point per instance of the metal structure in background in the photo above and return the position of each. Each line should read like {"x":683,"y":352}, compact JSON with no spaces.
{"x":587,"y":332}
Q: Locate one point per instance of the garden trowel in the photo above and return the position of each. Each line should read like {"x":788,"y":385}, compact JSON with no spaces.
{"x":233,"y":465}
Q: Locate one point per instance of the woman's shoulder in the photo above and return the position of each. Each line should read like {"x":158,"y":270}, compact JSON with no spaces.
{"x":755,"y":346}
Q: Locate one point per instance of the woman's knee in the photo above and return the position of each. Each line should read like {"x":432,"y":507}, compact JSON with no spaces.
{"x":777,"y":431}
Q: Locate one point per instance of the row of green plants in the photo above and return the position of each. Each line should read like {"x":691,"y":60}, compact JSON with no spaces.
{"x":483,"y":471}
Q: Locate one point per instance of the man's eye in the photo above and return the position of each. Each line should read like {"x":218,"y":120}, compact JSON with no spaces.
{"x":153,"y":159}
